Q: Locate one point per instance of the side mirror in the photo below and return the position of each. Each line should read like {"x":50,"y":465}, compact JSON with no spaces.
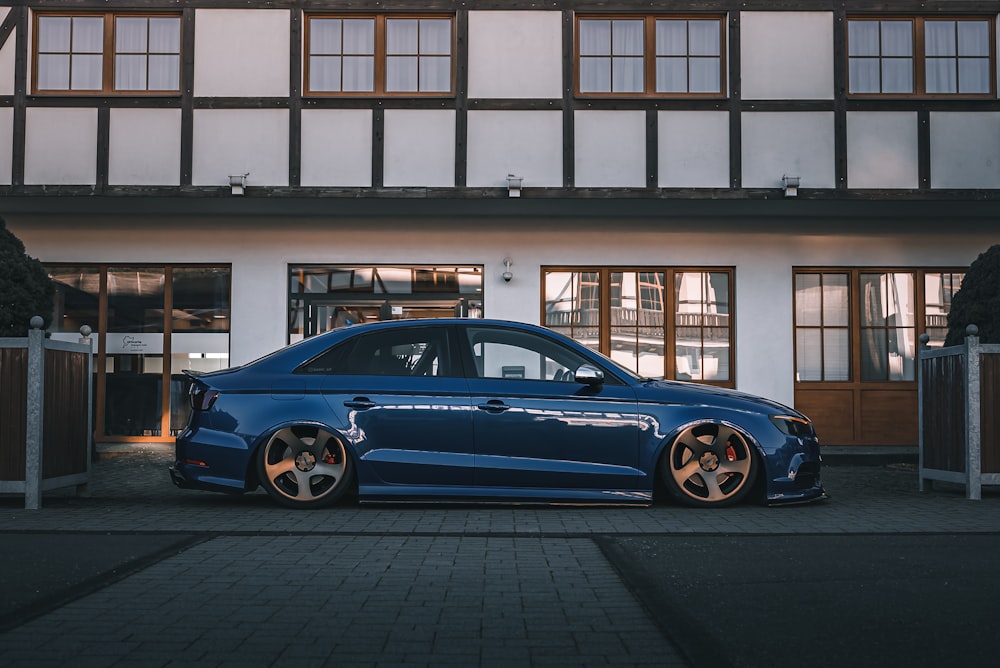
{"x":589,"y":375}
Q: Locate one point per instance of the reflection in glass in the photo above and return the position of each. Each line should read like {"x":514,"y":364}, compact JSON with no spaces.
{"x":200,"y":299}
{"x":939,"y":290}
{"x":701,"y":319}
{"x":77,"y":298}
{"x":887,"y":326}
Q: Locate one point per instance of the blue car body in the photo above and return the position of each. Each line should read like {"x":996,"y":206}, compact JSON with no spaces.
{"x":464,"y":436}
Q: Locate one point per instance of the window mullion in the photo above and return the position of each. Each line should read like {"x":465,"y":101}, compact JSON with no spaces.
{"x":920,"y":58}
{"x":380,"y":54}
{"x":649,"y":56}
{"x":108,"y":60}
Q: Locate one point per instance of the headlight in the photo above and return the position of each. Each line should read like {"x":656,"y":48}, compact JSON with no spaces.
{"x":792,"y":425}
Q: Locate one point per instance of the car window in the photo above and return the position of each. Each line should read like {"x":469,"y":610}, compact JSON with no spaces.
{"x":511,"y":354}
{"x":416,"y":351}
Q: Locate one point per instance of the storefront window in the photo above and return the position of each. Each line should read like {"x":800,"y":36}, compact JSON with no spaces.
{"x":160,"y":321}
{"x":622,"y":313}
{"x":325,"y":297}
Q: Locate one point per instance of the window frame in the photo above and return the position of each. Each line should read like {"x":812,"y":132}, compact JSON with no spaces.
{"x":605,"y":319}
{"x":856,"y":328}
{"x":649,"y":56}
{"x":919,"y":56}
{"x":108,"y":54}
{"x":379,"y":55}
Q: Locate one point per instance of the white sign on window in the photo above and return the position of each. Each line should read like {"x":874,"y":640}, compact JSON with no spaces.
{"x":140,"y":343}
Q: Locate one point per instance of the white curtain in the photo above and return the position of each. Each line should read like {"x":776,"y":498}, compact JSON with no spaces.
{"x":435,"y":74}
{"x":324,"y":73}
{"x":324,"y":36}
{"x":164,"y":72}
{"x":595,"y":52}
{"x":86,"y":72}
{"x":53,"y":33}
{"x":130,"y":72}
{"x":53,"y":71}
{"x":821,"y":327}
{"x":435,"y":37}
{"x":88,"y":34}
{"x":359,"y":55}
{"x":627,"y":58}
{"x":130,"y":35}
{"x":164,"y":35}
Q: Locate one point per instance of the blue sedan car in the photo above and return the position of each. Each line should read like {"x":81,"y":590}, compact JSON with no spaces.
{"x":458,"y":409}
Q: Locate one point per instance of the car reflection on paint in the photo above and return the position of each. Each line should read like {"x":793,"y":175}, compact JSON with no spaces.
{"x":460,"y":410}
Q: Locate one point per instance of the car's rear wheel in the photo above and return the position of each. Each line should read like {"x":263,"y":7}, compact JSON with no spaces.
{"x":305,"y":467}
{"x":709,"y":465}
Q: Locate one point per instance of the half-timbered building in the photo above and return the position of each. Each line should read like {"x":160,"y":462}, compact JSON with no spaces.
{"x":769,"y":196}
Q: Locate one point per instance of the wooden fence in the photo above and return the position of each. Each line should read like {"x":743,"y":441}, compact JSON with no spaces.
{"x":45,"y":415}
{"x":960,"y":415}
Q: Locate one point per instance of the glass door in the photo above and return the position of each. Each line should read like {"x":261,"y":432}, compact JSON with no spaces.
{"x":134,"y":347}
{"x":150,"y":324}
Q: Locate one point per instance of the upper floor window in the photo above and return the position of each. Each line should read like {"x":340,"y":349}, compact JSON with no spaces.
{"x":650,"y":56}
{"x":921,"y":56}
{"x":379,"y":55}
{"x":107,"y":53}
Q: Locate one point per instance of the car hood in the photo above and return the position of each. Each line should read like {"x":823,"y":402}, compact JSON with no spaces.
{"x":679,"y":392}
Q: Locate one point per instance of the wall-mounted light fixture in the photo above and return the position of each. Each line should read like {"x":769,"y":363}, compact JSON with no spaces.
{"x":238,"y":183}
{"x":791,"y":185}
{"x":507,"y":275}
{"x":514,"y":185}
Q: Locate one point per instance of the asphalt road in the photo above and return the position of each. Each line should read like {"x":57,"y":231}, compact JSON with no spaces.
{"x":816,"y":601}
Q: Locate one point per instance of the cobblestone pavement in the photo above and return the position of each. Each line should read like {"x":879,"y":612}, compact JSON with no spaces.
{"x":241,"y":581}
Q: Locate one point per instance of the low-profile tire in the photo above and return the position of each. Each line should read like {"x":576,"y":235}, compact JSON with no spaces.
{"x":709,"y":465}
{"x":304,"y":467}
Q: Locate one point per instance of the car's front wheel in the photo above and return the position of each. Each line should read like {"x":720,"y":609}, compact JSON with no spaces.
{"x":304,"y":467}
{"x":709,"y":465}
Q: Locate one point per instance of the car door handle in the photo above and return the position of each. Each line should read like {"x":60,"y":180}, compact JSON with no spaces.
{"x":493,"y":406}
{"x":360,"y":403}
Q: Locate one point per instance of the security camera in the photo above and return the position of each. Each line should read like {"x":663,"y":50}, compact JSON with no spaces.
{"x":507,"y":276}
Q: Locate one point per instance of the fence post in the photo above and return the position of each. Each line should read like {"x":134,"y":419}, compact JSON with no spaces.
{"x":85,"y":331}
{"x":35,"y":412}
{"x":973,"y":429}
{"x":922,"y":484}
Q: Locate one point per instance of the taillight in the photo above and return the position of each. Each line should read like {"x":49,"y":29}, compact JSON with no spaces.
{"x":202,"y":398}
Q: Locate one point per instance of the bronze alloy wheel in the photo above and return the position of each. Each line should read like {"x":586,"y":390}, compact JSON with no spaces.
{"x":709,"y":465}
{"x":305,"y":467}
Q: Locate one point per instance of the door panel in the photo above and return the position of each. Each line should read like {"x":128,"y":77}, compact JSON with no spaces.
{"x":418,"y":436}
{"x":549,"y":434}
{"x":399,"y":402}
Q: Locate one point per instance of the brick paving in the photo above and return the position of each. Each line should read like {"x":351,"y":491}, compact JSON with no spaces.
{"x":396,"y":585}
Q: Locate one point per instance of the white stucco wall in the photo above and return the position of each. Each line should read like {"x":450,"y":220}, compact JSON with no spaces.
{"x":336,"y":147}
{"x":777,"y":144}
{"x":515,"y":54}
{"x":241,"y":52}
{"x":882,"y":150}
{"x":524,"y":143}
{"x":419,"y":148}
{"x":7,"y":55}
{"x":786,"y":55}
{"x":60,"y":146}
{"x":610,"y":149}
{"x":965,"y":149}
{"x":144,"y":147}
{"x":6,"y":145}
{"x":228,"y":142}
{"x":693,"y":149}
